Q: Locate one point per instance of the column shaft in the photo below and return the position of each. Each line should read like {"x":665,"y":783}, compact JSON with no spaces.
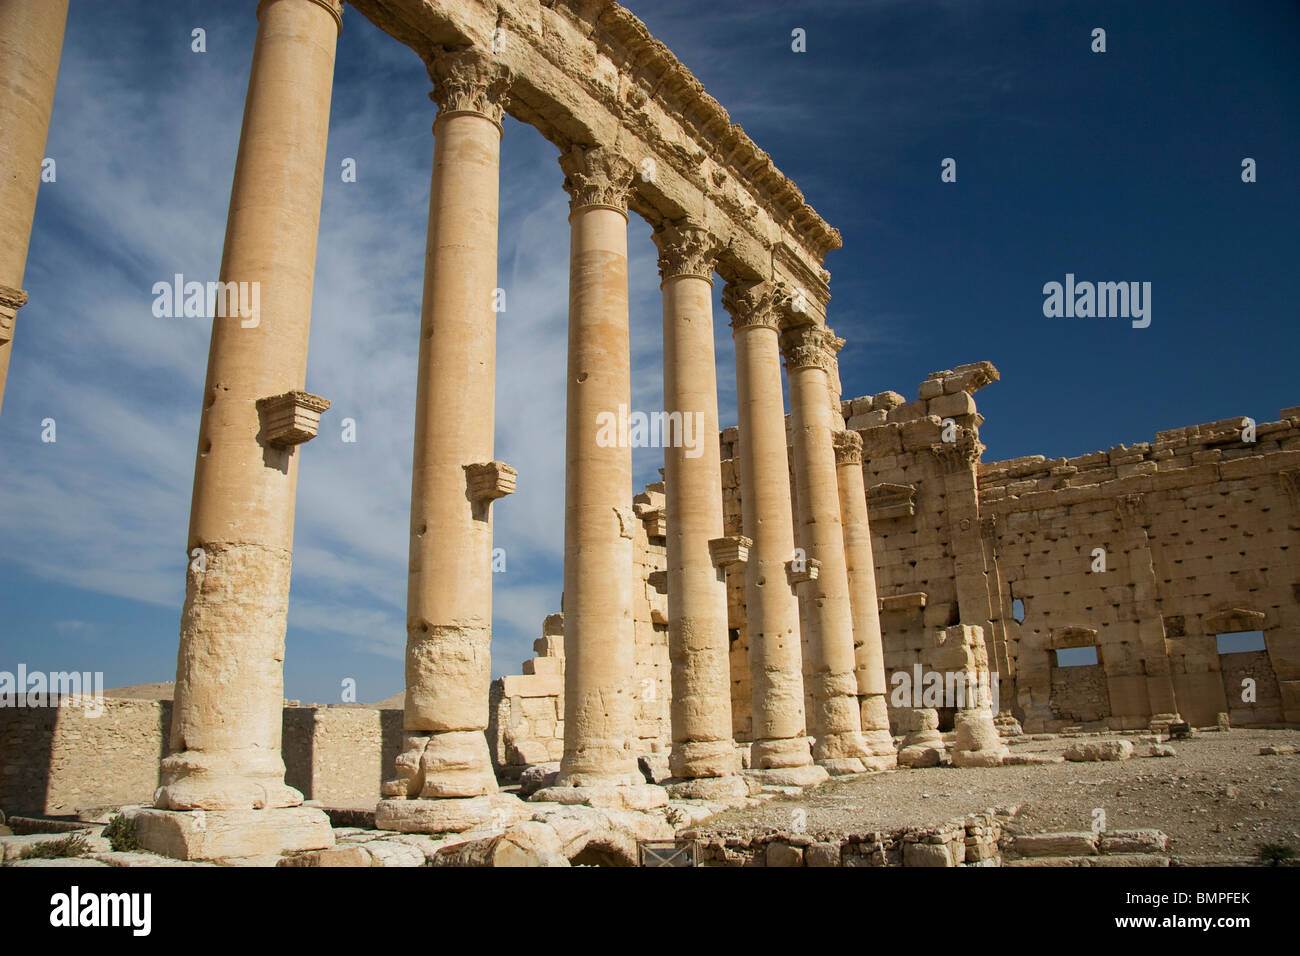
{"x":31,"y":42}
{"x":229,"y":678}
{"x":697,"y":597}
{"x":449,"y":587}
{"x":868,"y":641}
{"x":836,"y":720}
{"x":771,"y":609}
{"x":599,"y":643}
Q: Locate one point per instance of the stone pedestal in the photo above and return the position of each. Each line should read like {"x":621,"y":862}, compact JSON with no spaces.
{"x":976,"y":742}
{"x":599,"y":646}
{"x":771,"y":609}
{"x":697,"y":599}
{"x":836,"y":719}
{"x":226,"y":720}
{"x":31,"y":42}
{"x":454,"y":478}
{"x":219,"y":834}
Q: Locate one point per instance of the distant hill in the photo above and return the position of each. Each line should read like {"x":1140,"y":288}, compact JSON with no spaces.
{"x":161,"y":691}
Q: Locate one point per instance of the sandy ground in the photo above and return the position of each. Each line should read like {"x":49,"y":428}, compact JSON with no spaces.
{"x":1218,"y":797}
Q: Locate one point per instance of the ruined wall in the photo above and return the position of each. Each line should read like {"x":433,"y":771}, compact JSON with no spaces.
{"x":337,"y":755}
{"x":56,"y":760}
{"x":1195,"y":532}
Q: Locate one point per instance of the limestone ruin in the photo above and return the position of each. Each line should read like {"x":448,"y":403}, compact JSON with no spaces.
{"x":767,"y":593}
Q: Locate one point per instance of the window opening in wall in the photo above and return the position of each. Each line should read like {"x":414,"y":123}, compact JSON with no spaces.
{"x":1018,"y":610}
{"x":1076,"y":656}
{"x":1240,"y":642}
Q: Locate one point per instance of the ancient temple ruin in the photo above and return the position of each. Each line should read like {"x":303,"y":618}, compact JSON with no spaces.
{"x":765,"y":592}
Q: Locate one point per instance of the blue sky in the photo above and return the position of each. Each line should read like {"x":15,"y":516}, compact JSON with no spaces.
{"x":1122,"y":166}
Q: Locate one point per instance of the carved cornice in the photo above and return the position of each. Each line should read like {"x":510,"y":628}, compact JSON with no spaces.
{"x":751,"y":305}
{"x":810,"y":346}
{"x":848,"y":447}
{"x":685,"y":249}
{"x":596,"y":176}
{"x":469,"y":81}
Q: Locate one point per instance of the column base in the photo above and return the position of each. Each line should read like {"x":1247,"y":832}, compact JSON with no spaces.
{"x":449,"y":815}
{"x":216,"y":834}
{"x":841,"y":752}
{"x":643,"y":796}
{"x":976,"y":742}
{"x":780,"y":752}
{"x":731,"y":787}
{"x":880,"y":743}
{"x":1160,"y":722}
{"x":695,"y":759}
{"x":434,"y":766}
{"x":842,"y":766}
{"x":224,"y":780}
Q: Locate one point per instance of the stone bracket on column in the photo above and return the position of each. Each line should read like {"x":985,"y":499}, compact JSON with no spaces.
{"x":811,"y":569}
{"x":290,"y":419}
{"x":658,"y":580}
{"x":489,"y":480}
{"x":626,"y":521}
{"x":729,"y":551}
{"x":11,"y":300}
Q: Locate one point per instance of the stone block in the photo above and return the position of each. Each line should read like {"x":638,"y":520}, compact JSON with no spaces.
{"x":215,"y":834}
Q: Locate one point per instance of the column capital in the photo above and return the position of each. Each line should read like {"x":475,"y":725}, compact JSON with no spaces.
{"x":469,"y":81}
{"x":848,"y":447}
{"x":962,"y":454}
{"x":685,"y":249}
{"x":752,"y":304}
{"x":334,"y":7}
{"x":810,"y":346}
{"x":597,"y":176}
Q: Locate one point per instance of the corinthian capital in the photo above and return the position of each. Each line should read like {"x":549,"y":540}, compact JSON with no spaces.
{"x":751,"y":304}
{"x":469,"y":80}
{"x":810,"y":346}
{"x":848,"y":447}
{"x":685,"y":250}
{"x":596,"y":176}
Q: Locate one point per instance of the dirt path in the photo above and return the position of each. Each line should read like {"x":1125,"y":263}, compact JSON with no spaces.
{"x":1216,"y":798}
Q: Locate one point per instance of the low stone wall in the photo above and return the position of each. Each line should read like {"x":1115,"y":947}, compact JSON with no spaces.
{"x":972,"y":842}
{"x":58,"y":760}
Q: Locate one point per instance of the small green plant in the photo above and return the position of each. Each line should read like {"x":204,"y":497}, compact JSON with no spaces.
{"x":121,"y":834}
{"x":1275,"y":854}
{"x":74,"y":844}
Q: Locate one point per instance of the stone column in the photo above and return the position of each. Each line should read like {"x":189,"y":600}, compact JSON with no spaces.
{"x":31,"y":41}
{"x":444,"y":775}
{"x":599,"y":524}
{"x":697,"y":599}
{"x":869,"y":650}
{"x":226,"y":717}
{"x":836,"y":720}
{"x":780,"y":749}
